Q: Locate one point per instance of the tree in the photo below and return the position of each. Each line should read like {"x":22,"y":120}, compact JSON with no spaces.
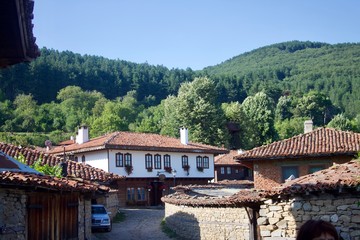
{"x":283,"y":108}
{"x":290,"y":127}
{"x":259,"y":111}
{"x":316,"y":106}
{"x":341,"y":122}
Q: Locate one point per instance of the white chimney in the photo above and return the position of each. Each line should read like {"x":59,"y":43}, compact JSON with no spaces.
{"x":308,"y":126}
{"x":72,"y":138}
{"x":184,"y":139}
{"x":82,"y":135}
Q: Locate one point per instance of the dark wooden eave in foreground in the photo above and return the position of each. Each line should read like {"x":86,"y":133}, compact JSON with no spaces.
{"x":17,"y":43}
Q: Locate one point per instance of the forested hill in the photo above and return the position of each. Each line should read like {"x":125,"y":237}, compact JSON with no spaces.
{"x":54,"y":70}
{"x":295,"y":67}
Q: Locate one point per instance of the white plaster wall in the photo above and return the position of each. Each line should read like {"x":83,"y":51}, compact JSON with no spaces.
{"x":138,"y":161}
{"x":96,"y":159}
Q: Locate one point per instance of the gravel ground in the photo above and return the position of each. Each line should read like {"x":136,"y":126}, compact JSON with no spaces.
{"x":139,"y":224}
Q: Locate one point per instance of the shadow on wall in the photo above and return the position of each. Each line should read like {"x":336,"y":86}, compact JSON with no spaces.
{"x":185,"y":225}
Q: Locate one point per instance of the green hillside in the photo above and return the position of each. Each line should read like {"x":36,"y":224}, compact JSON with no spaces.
{"x":296,"y":67}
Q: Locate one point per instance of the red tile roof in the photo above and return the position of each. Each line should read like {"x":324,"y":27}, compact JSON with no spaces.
{"x":75,"y":169}
{"x":320,"y":142}
{"x":47,"y":182}
{"x":338,"y":176}
{"x":138,"y":141}
{"x":227,"y":159}
{"x":187,"y":197}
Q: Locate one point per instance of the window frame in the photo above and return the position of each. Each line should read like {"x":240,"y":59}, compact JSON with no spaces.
{"x":148,"y":161}
{"x":128,"y":159}
{"x":222,"y":170}
{"x":283,"y":168}
{"x":119,"y":159}
{"x":167,"y":161}
{"x":205,"y":161}
{"x":83,"y":159}
{"x":157,"y":161}
{"x":199,"y":162}
{"x":184,"y":160}
{"x":228,"y":170}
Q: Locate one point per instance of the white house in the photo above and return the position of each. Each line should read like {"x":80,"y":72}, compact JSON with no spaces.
{"x":151,"y":163}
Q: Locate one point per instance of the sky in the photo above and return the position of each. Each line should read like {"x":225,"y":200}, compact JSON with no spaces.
{"x":189,"y":33}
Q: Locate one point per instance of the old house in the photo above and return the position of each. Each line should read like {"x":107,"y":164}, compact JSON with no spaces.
{"x":331,"y":195}
{"x":226,"y":168}
{"x":36,"y":206}
{"x":79,"y":171}
{"x":17,"y":42}
{"x":300,"y":155}
{"x":151,"y":163}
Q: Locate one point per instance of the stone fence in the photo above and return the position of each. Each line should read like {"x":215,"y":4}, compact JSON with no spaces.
{"x":213,"y":223}
{"x":280,"y":220}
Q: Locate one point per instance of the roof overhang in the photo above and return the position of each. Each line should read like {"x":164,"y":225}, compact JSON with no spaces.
{"x":17,"y":43}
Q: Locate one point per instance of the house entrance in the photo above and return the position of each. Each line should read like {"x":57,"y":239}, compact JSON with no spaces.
{"x":156,"y":193}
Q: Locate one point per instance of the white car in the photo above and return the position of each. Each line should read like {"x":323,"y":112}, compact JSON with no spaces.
{"x":100,"y":218}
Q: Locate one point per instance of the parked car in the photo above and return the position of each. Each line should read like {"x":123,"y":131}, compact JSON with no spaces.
{"x":100,"y":218}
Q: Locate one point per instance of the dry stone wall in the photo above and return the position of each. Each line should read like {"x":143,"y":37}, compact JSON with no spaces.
{"x":12,"y":214}
{"x":280,"y":220}
{"x":210,"y":223}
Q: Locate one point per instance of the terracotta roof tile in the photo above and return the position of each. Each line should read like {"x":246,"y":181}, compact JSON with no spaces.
{"x":138,"y":141}
{"x":227,"y":159}
{"x":75,"y":169}
{"x":322,"y":141}
{"x":48,"y":182}
{"x":339,"y":176}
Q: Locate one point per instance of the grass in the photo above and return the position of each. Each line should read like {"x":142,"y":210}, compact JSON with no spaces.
{"x":170,"y":233}
{"x":119,"y":217}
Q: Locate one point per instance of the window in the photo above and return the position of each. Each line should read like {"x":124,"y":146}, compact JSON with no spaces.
{"x":119,"y":160}
{"x":148,"y":161}
{"x":205,"y":162}
{"x":130,"y":194}
{"x":76,"y":159}
{"x":141,"y":194}
{"x":185,"y":160}
{"x":128,"y":159}
{"x":288,"y":171}
{"x":199,"y":162}
{"x":167,"y":161}
{"x":228,"y":170}
{"x":313,"y":169}
{"x":83,"y":159}
{"x":157,"y":161}
{"x":222,"y":170}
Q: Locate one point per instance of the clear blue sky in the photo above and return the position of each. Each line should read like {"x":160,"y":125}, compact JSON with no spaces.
{"x":189,"y":33}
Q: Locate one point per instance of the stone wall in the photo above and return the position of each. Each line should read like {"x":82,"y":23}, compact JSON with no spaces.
{"x":84,"y":216}
{"x":12,"y":214}
{"x":280,"y":220}
{"x":215,"y":223}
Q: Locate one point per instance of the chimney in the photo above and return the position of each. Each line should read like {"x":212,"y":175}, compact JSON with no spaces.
{"x":308,"y":126}
{"x":82,"y":135}
{"x":184,"y":139}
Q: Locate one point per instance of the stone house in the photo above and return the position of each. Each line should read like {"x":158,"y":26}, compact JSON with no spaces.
{"x":36,"y":206}
{"x":226,"y":168}
{"x":152,"y":163}
{"x":331,"y":195}
{"x":74,"y":170}
{"x":300,"y":155}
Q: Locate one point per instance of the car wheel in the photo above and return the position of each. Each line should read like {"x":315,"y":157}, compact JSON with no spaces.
{"x":109,"y":228}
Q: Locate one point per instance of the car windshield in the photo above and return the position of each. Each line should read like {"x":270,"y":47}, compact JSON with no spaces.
{"x":98,"y":210}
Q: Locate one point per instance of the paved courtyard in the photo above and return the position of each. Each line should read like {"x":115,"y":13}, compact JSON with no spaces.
{"x":139,"y":224}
